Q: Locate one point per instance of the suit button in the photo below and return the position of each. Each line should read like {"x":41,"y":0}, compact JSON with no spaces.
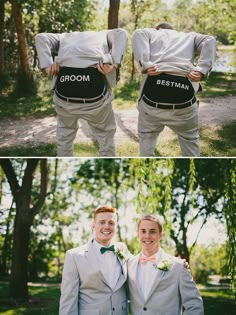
{"x":144,"y":308}
{"x":113,"y":308}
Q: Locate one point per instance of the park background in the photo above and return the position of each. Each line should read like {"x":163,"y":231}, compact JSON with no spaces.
{"x":27,"y":116}
{"x":46,"y":208}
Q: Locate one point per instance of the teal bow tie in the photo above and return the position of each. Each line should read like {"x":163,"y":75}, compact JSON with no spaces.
{"x":104,"y":249}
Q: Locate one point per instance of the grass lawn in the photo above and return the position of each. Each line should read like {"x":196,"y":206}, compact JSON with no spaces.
{"x":218,"y":302}
{"x":218,"y":143}
{"x":44,"y":301}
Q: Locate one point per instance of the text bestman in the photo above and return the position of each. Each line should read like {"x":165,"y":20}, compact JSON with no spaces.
{"x":173,"y":84}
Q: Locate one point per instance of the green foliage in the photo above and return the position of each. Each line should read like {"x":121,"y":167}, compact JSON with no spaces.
{"x":229,"y":211}
{"x":208,"y":19}
{"x":44,"y":16}
{"x":208,"y":260}
{"x":15,"y":105}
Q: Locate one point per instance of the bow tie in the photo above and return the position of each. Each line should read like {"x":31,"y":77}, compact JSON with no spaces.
{"x":104,"y":249}
{"x":144,"y":259}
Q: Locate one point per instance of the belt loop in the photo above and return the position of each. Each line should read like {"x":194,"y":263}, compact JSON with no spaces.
{"x":67,"y":100}
{"x":173,"y":106}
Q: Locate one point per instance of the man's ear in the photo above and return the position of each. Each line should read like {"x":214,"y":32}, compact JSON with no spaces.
{"x":161,"y":235}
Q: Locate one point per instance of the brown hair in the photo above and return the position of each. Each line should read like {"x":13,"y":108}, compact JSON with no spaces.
{"x":164,"y":25}
{"x":102,"y":209}
{"x":150,"y":217}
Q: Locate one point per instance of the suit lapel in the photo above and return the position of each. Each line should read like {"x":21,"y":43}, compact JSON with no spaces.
{"x":159,"y":275}
{"x":91,"y":258}
{"x":123,"y":275}
{"x":133,"y":275}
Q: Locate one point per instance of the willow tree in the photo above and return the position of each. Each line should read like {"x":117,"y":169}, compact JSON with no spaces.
{"x":105,"y":181}
{"x":183,"y":191}
{"x":29,"y":195}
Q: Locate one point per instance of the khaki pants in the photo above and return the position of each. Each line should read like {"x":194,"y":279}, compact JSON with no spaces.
{"x":184,"y":122}
{"x":100,"y":118}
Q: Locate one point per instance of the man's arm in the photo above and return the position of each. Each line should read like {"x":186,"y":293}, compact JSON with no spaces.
{"x":69,"y":287}
{"x":45,"y":44}
{"x":206,"y":46}
{"x":141,"y":49}
{"x":117,"y":43}
{"x":191,"y":299}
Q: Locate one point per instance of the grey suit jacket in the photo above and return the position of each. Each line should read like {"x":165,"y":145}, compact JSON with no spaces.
{"x":83,"y":49}
{"x":84,"y":290}
{"x":172,"y":290}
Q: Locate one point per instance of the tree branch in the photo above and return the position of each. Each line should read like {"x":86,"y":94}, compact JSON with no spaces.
{"x":11,"y":176}
{"x":43,"y":187}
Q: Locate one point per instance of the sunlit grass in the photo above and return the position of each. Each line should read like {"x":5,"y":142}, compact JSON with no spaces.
{"x":218,"y":141}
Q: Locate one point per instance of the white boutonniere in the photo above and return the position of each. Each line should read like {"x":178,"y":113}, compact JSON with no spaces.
{"x":164,"y":265}
{"x":120,"y":251}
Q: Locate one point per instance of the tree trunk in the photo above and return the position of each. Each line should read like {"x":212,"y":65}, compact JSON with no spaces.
{"x":6,"y":245}
{"x":1,"y":37}
{"x":24,"y":60}
{"x":113,"y":15}
{"x":19,"y":276}
{"x":25,"y":212}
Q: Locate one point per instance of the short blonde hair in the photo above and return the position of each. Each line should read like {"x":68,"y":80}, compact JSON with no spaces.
{"x":102,"y":209}
{"x":149,"y":217}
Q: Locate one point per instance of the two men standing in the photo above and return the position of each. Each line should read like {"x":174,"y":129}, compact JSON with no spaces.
{"x":85,"y":69}
{"x":95,"y":274}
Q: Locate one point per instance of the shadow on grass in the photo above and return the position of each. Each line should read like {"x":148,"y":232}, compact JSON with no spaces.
{"x":39,"y":151}
{"x":219,"y":84}
{"x":42,"y":301}
{"x":218,"y":302}
{"x":221,"y":142}
{"x":216,"y":306}
{"x":13,"y":105}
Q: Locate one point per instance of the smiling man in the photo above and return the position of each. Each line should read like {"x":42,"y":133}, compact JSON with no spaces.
{"x":159,"y":283}
{"x":94,"y":274}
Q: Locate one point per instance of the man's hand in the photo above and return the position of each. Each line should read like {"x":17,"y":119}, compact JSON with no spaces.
{"x":105,"y":68}
{"x":153,"y":70}
{"x":195,"y":76}
{"x":186,"y":264}
{"x":53,"y":69}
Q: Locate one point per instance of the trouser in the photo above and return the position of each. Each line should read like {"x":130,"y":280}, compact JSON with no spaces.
{"x":184,"y":122}
{"x":100,"y":118}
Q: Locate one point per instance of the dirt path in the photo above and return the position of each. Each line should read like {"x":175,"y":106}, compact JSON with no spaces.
{"x":213,"y":112}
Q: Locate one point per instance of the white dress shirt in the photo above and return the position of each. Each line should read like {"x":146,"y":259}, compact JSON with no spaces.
{"x":146,"y":275}
{"x":109,"y":265}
